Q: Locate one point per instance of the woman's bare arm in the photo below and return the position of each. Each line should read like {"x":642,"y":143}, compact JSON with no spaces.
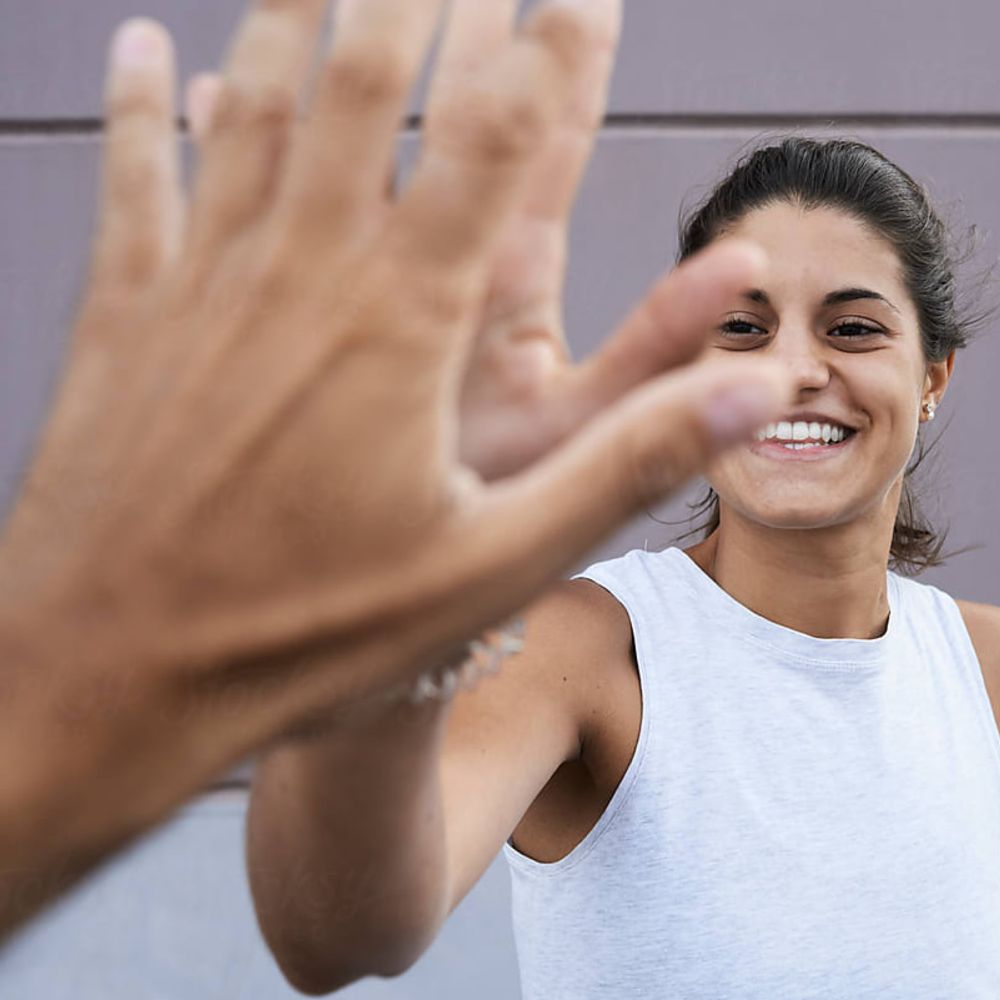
{"x":363,"y":840}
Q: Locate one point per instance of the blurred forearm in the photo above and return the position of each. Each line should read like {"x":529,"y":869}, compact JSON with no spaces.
{"x":93,"y":755}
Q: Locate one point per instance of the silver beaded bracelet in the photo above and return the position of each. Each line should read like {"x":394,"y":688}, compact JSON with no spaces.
{"x":483,"y":659}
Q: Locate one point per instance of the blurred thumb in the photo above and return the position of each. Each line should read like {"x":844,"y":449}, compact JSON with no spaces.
{"x":633,"y":455}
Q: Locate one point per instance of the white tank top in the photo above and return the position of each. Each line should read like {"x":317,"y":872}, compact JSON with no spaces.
{"x":802,"y":818}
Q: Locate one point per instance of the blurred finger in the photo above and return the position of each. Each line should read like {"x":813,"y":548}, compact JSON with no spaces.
{"x":342,"y":157}
{"x":199,"y":103}
{"x":530,"y":265}
{"x":475,"y":32}
{"x":631,"y":457}
{"x":254,"y":111}
{"x":556,"y":177}
{"x":670,"y":326}
{"x":479,"y":144}
{"x":141,"y":205}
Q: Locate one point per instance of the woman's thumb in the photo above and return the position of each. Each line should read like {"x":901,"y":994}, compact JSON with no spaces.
{"x":631,"y":456}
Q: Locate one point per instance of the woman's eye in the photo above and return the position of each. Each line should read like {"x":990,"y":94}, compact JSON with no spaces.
{"x":735,"y":328}
{"x":739,"y":328}
{"x":854,"y":330}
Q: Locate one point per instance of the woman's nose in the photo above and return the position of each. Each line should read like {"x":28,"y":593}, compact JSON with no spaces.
{"x":803,"y":356}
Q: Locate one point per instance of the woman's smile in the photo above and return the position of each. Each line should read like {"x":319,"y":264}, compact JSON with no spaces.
{"x":787,"y":452}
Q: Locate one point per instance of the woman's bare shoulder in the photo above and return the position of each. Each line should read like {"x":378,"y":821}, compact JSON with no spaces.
{"x":576,"y":636}
{"x":579,"y":622}
{"x":587,"y":637}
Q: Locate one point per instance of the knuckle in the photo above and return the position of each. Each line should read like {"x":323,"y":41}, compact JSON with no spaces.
{"x":565,"y":33}
{"x":502,"y":127}
{"x":275,"y":107}
{"x":367,"y":75}
{"x":269,"y":108}
{"x":139,"y":262}
{"x":229,"y":110}
{"x":117,"y":272}
{"x":127,"y":104}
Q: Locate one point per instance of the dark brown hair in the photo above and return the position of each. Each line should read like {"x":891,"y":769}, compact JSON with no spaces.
{"x":857,"y":179}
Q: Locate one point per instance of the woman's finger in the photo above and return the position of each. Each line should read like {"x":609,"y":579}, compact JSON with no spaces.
{"x":254,"y":111}
{"x":141,"y":210}
{"x":475,"y":32}
{"x":342,"y":157}
{"x":668,"y":328}
{"x":555,"y":180}
{"x":530,"y":266}
{"x":631,"y":457}
{"x":479,"y":145}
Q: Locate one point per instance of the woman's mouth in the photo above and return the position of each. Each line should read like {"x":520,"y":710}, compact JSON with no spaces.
{"x":801,"y":451}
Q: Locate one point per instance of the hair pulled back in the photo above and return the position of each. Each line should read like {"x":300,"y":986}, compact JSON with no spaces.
{"x":855,"y":178}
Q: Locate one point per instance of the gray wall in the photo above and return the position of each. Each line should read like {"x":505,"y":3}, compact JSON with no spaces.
{"x":695,"y":82}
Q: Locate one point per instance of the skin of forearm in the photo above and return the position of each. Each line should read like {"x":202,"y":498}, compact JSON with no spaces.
{"x":104,"y":739}
{"x":346,"y":846}
{"x":116,"y":715}
{"x":94,"y":758}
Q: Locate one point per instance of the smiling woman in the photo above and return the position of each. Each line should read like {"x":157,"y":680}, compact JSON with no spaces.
{"x":841,"y":202}
{"x":786,"y":747}
{"x":761,"y":767}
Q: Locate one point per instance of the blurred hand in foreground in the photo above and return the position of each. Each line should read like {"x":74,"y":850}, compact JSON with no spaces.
{"x":313,"y":435}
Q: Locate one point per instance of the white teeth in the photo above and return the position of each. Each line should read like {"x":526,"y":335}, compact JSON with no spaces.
{"x":801,"y":431}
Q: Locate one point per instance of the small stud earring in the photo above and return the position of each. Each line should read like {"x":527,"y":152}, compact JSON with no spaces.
{"x":929,"y":410}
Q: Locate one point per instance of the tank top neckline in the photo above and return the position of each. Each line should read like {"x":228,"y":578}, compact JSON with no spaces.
{"x":731,"y":614}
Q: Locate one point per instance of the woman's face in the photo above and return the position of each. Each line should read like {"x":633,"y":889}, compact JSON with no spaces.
{"x":834,"y":310}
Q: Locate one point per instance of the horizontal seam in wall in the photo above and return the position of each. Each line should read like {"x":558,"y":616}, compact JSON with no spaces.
{"x":761,"y":120}
{"x":613,"y":122}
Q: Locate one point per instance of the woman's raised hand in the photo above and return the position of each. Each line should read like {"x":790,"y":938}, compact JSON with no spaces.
{"x":522,"y":396}
{"x":314,"y":426}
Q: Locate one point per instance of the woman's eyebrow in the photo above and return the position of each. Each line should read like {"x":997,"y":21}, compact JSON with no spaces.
{"x":836,"y":298}
{"x":852,"y":294}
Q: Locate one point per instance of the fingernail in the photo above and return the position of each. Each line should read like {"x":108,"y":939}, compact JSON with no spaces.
{"x":735,"y":412}
{"x":137,"y":43}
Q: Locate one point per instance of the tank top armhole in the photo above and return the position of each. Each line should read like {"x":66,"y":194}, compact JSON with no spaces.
{"x":530,"y":866}
{"x":978,"y":681}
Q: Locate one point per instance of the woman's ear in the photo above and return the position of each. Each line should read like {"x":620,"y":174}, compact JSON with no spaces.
{"x":938,"y":375}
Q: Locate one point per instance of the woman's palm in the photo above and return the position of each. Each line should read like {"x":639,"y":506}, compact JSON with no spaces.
{"x":518,"y":390}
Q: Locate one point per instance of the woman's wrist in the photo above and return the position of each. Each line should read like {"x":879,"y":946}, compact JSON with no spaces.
{"x":483,"y":657}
